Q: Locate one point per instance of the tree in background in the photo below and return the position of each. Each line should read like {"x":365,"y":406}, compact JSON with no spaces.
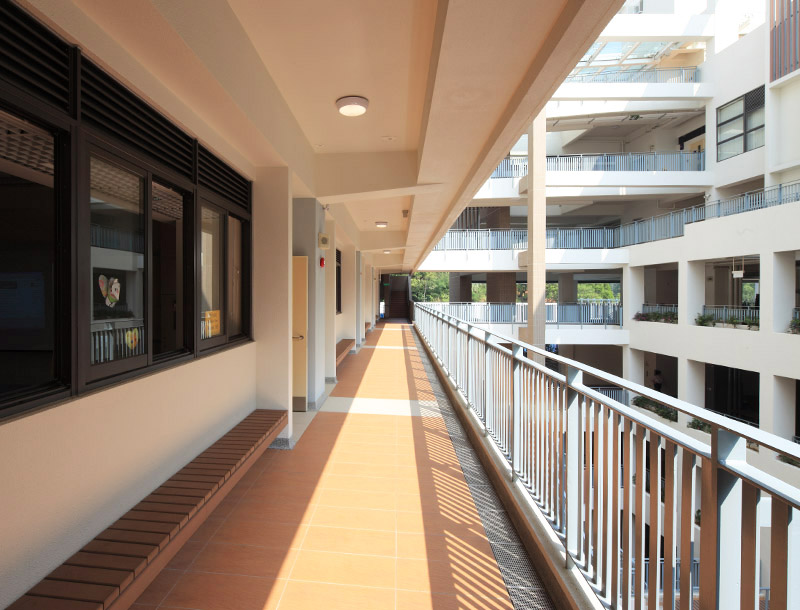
{"x":522,"y":292}
{"x":551,"y":292}
{"x":479,"y":293}
{"x":428,"y":286}
{"x":594,"y":291}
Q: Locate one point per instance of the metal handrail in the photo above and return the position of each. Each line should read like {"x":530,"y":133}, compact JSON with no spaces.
{"x":656,"y":228}
{"x":659,"y":308}
{"x":722,"y":313}
{"x":680,"y":161}
{"x":568,"y":446}
{"x":588,"y":312}
{"x":511,"y":167}
{"x":484,"y":239}
{"x":689,"y":74}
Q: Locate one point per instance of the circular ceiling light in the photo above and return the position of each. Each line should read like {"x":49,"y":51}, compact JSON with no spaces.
{"x":387,"y":251}
{"x":352,"y":105}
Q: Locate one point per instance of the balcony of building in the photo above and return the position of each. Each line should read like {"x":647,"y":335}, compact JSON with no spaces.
{"x":536,"y":414}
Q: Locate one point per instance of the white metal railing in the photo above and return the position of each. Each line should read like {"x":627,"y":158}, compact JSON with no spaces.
{"x":631,"y":7}
{"x":485,"y":313}
{"x":112,"y":341}
{"x":613,"y":392}
{"x":572,"y":238}
{"x":665,"y":226}
{"x":723,"y":313}
{"x":682,"y":161}
{"x":688,"y":74}
{"x":484,"y":239}
{"x":596,"y":312}
{"x":511,"y":167}
{"x":569,"y":449}
{"x":658,"y":308}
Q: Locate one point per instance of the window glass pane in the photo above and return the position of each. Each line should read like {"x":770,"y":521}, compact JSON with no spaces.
{"x":168,"y":270}
{"x":211,"y":257}
{"x":755,"y":118}
{"x":728,"y":111}
{"x":117,"y":263}
{"x":730,"y":149}
{"x":27,"y":257}
{"x":729,"y":130}
{"x":755,"y":138}
{"x":234,"y":276}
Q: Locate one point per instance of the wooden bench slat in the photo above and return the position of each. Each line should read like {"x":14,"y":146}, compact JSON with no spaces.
{"x":159,"y":498}
{"x":146,"y":526}
{"x":29,"y":602}
{"x":152,"y":538}
{"x":77,"y":591}
{"x":106,"y":568}
{"x":94,"y":576}
{"x":110,"y":562}
{"x":142,"y":515}
{"x":123,"y":549}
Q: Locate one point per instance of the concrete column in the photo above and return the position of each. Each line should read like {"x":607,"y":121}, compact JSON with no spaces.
{"x":501,"y":287}
{"x":537,"y":220}
{"x":359,"y":300}
{"x":308,"y":221}
{"x":567,"y":288}
{"x":777,"y":404}
{"x":460,"y":288}
{"x":778,"y":285}
{"x":633,"y":364}
{"x":272,"y":290}
{"x":691,"y":385}
{"x":330,"y":305}
{"x":691,"y":290}
{"x":632,"y":291}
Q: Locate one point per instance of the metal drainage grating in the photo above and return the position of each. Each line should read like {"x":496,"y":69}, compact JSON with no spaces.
{"x":525,"y":588}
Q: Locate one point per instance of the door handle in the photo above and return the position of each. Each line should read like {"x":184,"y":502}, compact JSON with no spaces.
{"x":298,"y":337}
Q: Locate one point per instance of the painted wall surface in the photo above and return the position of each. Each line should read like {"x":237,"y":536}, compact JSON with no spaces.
{"x":70,"y":471}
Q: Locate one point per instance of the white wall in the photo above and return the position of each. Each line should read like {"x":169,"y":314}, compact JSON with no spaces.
{"x":71,"y":470}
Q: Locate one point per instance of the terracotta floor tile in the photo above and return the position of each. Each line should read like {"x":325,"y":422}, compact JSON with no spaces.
{"x":354,"y":518}
{"x":186,"y":555}
{"x":354,"y":483}
{"x":417,"y":600}
{"x":455,"y":576}
{"x":345,"y":569}
{"x":225,"y":592}
{"x":270,"y":510}
{"x":159,"y":588}
{"x":380,"y":500}
{"x":316,"y":596}
{"x":444,"y":547}
{"x":258,"y":533}
{"x":207,"y":529}
{"x":244,"y":560}
{"x":344,"y":540}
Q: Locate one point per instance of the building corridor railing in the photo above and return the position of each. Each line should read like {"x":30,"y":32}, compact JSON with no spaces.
{"x":580,"y":459}
{"x":682,"y":161}
{"x":656,"y":228}
{"x":598,"y":312}
{"x":689,"y":74}
{"x":512,"y":167}
{"x":723,"y":313}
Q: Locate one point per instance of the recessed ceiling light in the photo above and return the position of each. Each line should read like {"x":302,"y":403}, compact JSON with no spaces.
{"x":352,"y":105}
{"x":381,"y":224}
{"x":387,"y":251}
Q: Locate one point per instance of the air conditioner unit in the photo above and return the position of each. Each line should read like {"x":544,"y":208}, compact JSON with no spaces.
{"x":323,"y":241}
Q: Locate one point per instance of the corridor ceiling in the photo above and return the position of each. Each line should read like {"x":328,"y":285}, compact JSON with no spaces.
{"x":452,"y":84}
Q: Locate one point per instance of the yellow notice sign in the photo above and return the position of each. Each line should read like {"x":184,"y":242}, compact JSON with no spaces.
{"x":212,"y":323}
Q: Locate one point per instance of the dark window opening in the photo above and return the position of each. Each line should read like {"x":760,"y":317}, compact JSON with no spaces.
{"x":28,"y":245}
{"x":740,"y":125}
{"x":338,"y":281}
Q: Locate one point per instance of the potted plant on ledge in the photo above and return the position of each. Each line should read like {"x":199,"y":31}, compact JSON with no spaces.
{"x":704,"y":319}
{"x":752,"y":323}
{"x":794,"y":326}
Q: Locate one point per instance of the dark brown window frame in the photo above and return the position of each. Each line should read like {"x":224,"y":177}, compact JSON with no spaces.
{"x":74,"y":139}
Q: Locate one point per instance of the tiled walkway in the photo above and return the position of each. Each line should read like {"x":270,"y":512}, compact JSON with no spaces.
{"x":371,"y":510}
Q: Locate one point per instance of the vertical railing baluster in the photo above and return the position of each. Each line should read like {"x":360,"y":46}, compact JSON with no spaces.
{"x":574,"y":455}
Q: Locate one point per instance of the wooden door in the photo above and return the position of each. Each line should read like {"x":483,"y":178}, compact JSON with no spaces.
{"x":299,"y":332}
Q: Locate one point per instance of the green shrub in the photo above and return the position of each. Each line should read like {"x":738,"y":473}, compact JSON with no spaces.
{"x":704,"y":319}
{"x":671,"y":317}
{"x":698,"y":424}
{"x":733,"y":321}
{"x":665,"y":412}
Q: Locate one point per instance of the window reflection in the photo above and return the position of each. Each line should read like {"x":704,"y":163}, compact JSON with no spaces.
{"x":211,"y":269}
{"x":117,"y":263}
{"x":168,"y":270}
